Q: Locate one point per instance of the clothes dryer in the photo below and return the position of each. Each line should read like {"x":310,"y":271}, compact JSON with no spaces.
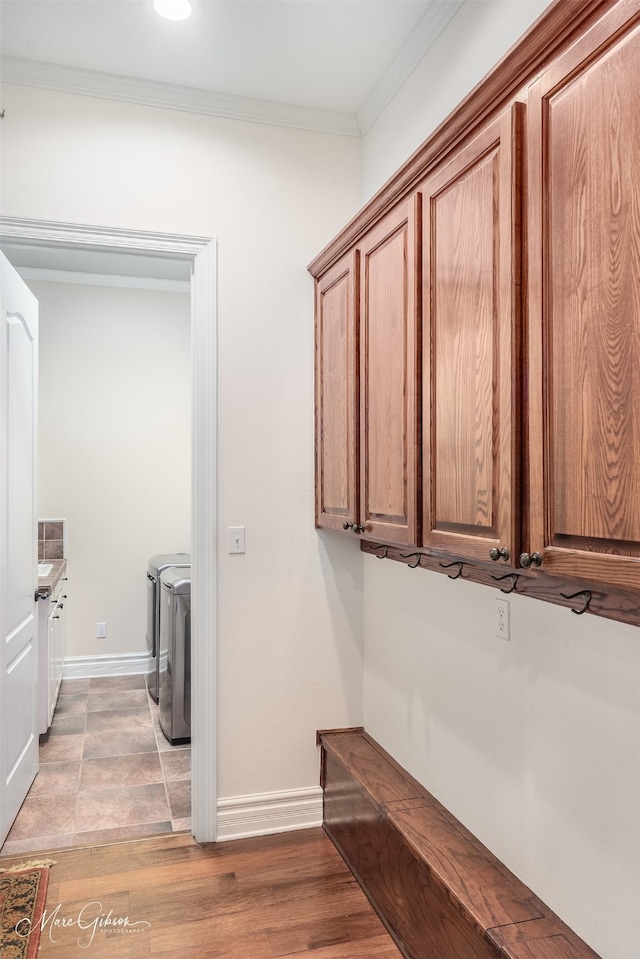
{"x":174,"y":689}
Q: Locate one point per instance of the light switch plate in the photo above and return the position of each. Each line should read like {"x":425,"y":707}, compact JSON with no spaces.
{"x":236,"y":539}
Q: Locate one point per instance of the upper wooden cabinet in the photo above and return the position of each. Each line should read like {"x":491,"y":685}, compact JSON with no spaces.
{"x":367,"y":445}
{"x":495,"y":281}
{"x":470,"y":341}
{"x":336,"y":394}
{"x":389,"y":323}
{"x":584,"y":306}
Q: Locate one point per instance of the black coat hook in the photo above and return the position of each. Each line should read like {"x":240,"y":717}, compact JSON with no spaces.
{"x":587,"y":599}
{"x":410,"y":556}
{"x":514,"y":581}
{"x":382,"y":555}
{"x":449,"y":565}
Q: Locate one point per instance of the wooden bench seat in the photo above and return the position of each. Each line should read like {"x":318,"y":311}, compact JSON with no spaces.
{"x":439,"y":891}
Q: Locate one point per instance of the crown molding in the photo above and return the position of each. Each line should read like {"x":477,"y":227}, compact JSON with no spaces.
{"x":29,"y":232}
{"x":107,"y":86}
{"x":553,"y":31}
{"x":426,"y":33}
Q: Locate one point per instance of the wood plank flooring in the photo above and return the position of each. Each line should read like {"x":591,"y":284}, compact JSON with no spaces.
{"x":288,"y":895}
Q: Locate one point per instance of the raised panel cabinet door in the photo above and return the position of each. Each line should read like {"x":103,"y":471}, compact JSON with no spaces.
{"x":336,"y":394}
{"x":584,"y":306}
{"x":470,"y":343}
{"x":389,"y":343}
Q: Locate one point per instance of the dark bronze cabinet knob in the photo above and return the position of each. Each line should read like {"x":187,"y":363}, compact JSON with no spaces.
{"x":530,"y":559}
{"x":495,"y":554}
{"x":354,"y":526}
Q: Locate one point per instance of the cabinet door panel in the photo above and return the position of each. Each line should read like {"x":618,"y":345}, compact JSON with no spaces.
{"x":470,"y":339}
{"x":389,"y":382}
{"x":336,"y":394}
{"x":585,"y":326}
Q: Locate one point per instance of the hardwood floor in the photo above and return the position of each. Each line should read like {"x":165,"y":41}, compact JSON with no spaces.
{"x":273,"y":896}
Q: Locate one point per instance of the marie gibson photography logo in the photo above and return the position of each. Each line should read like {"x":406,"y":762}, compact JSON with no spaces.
{"x":90,"y":919}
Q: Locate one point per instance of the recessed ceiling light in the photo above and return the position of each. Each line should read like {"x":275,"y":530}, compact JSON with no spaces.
{"x":173,"y":9}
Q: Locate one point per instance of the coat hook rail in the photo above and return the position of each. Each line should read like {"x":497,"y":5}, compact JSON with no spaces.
{"x":514,"y":577}
{"x":410,"y":556}
{"x":449,"y":565}
{"x":586,"y":593}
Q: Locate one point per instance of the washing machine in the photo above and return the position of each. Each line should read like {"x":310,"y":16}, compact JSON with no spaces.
{"x":156,"y":565}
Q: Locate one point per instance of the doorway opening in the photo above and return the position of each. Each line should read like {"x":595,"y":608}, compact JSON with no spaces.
{"x":200,"y":253}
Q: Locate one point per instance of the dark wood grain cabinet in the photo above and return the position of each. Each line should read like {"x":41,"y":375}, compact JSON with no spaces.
{"x":367,"y":323}
{"x":336,"y":380}
{"x":478,"y":337}
{"x":584,"y":306}
{"x":470,"y":345}
{"x":389,"y":322}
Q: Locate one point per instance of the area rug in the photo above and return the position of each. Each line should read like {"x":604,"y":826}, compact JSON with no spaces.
{"x":23,"y":892}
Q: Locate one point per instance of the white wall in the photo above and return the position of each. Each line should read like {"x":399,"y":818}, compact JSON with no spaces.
{"x":471,"y":44}
{"x":533,"y":744}
{"x":290,"y":632}
{"x":114,"y":448}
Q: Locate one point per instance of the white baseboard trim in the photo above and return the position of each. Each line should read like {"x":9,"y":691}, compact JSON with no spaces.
{"x":125,"y":664}
{"x":265,"y":813}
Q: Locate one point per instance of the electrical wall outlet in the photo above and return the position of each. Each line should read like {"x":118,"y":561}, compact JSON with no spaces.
{"x":502,"y":625}
{"x":101,"y":630}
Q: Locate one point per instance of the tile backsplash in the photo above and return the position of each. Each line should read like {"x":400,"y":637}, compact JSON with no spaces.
{"x":50,"y":539}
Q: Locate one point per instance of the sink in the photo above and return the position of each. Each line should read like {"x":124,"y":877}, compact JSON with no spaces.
{"x":44,"y":569}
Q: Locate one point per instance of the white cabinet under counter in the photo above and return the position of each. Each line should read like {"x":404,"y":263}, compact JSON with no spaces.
{"x":52,"y":590}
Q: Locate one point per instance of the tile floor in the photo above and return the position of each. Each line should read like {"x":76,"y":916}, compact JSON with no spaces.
{"x":106,"y":771}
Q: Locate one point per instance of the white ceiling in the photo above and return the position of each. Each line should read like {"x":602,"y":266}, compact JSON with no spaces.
{"x":340,"y":58}
{"x":316,"y":64}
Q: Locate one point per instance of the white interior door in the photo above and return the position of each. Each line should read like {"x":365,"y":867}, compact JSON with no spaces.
{"x":18,"y":544}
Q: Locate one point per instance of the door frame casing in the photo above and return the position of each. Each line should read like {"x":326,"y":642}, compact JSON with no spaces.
{"x":201,"y":253}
